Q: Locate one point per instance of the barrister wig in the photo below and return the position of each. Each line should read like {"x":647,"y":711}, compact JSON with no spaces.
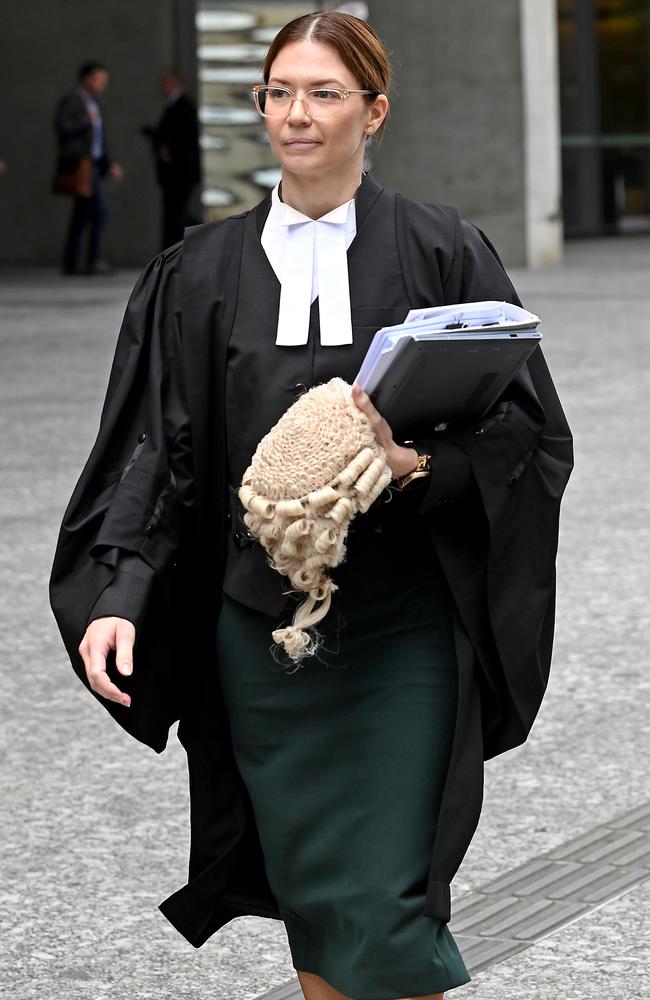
{"x":317,"y":468}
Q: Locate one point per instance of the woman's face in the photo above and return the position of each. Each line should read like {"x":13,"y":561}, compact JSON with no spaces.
{"x":311,"y":146}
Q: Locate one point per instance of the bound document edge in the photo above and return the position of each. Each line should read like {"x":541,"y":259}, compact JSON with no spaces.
{"x":488,"y":310}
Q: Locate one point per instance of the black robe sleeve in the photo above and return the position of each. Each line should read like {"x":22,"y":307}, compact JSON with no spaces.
{"x":492,"y":506}
{"x":128,"y":593}
{"x":495,"y":531}
{"x":521,"y":457}
{"x":127,"y":518}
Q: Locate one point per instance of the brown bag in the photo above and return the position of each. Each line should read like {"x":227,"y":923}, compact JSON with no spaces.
{"x":76,"y":179}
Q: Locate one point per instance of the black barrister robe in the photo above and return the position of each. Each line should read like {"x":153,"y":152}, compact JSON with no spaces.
{"x":154,"y":493}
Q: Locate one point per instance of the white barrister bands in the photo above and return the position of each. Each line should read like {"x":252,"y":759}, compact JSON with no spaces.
{"x":309,"y":257}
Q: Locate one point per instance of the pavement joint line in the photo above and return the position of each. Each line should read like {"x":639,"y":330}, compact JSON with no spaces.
{"x":517,"y":899}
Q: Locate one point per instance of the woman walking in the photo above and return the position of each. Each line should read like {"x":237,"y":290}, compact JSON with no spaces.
{"x":341,"y":796}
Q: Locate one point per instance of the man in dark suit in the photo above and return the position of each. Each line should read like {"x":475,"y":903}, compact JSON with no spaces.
{"x":81,"y":139}
{"x":175,"y":141}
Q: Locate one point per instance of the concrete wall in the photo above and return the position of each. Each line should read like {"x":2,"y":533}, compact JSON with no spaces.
{"x":475,"y":121}
{"x":41,"y":47}
{"x":457,"y":133}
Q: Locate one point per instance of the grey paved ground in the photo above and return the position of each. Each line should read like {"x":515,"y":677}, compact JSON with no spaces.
{"x":94,"y":829}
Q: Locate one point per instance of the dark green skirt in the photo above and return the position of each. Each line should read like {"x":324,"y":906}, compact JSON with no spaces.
{"x":344,"y":760}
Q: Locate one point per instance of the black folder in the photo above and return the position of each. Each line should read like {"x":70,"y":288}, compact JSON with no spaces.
{"x":450,"y":379}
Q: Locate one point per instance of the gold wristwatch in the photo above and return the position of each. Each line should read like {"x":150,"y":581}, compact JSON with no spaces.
{"x":421,"y":470}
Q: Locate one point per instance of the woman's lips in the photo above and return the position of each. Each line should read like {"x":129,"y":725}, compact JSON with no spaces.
{"x":301,"y":143}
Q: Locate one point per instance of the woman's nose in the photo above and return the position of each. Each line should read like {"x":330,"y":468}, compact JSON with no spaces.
{"x":298,"y":111}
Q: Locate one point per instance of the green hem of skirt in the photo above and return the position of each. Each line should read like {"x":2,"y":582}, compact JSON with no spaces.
{"x":377,"y":985}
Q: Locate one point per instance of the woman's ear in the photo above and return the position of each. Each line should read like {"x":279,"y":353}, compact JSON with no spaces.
{"x":378,"y":112}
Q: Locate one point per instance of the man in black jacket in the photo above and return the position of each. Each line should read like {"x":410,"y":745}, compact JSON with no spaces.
{"x":175,"y":141}
{"x":81,"y":137}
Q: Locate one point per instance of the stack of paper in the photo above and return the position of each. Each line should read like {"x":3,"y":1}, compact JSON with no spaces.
{"x":452,"y":322}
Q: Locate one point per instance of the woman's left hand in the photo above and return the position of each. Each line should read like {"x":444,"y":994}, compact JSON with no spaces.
{"x":401,"y":460}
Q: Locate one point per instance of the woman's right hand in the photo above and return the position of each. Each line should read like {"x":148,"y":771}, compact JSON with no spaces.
{"x":102,"y":635}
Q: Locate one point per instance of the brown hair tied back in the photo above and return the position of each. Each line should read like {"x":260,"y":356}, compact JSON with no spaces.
{"x":359,"y":47}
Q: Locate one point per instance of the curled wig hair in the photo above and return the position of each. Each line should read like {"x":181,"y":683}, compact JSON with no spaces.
{"x":317,"y":468}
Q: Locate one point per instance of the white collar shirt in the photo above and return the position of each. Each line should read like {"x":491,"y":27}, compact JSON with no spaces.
{"x":309,"y":257}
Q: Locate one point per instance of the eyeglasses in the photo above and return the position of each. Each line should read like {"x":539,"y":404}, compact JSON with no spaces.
{"x":277,"y":102}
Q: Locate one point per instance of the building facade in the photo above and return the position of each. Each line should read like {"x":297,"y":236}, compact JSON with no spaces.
{"x":531,"y":116}
{"x":604,"y":72}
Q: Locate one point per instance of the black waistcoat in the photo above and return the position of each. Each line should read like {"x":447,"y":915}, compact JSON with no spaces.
{"x":264,"y":379}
